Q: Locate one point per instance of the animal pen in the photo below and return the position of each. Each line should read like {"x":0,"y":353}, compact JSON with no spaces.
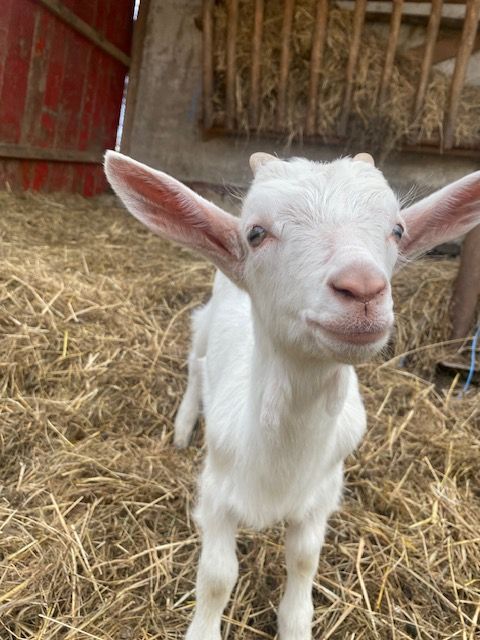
{"x":97,"y":535}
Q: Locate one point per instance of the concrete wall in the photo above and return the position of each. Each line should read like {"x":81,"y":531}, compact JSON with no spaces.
{"x":167,"y":133}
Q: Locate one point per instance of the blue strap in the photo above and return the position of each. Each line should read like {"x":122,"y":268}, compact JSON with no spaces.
{"x":472,"y":361}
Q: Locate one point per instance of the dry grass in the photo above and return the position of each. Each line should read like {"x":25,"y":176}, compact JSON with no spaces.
{"x":97,"y":539}
{"x":380,"y":127}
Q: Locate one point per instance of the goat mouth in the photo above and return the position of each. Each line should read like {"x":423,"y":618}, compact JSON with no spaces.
{"x":353,"y":336}
{"x":357,"y":337}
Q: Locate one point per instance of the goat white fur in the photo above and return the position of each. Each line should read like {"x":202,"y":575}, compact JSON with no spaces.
{"x":271,"y":361}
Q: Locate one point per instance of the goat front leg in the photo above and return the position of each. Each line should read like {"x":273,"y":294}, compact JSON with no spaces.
{"x":303,"y":543}
{"x":217,"y":573}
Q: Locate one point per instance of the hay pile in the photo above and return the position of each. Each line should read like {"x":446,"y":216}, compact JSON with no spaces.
{"x":380,"y":127}
{"x":97,"y":539}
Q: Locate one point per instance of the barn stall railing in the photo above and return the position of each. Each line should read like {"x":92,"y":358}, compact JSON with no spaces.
{"x":221,"y":111}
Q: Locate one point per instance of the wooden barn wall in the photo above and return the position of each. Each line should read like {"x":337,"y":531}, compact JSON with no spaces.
{"x":167,"y":131}
{"x":59,"y":91}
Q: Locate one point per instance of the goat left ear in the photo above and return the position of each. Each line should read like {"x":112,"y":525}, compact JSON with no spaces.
{"x":172,"y":210}
{"x":442,"y":216}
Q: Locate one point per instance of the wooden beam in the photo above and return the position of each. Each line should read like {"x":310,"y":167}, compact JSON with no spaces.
{"x":207,"y":62}
{"x":80,"y":26}
{"x":448,"y":23}
{"x":358,"y":21}
{"x":391,"y":49}
{"x":428,"y":53}
{"x":460,"y":71}
{"x":232,"y":22}
{"x":26,"y":152}
{"x":319,"y":37}
{"x":138,"y":39}
{"x":255,"y":77}
{"x":444,"y":49}
{"x":284,"y":62}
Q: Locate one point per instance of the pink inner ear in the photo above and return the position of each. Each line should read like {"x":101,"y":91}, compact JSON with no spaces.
{"x":174,"y":211}
{"x":168,"y":211}
{"x":442,"y":216}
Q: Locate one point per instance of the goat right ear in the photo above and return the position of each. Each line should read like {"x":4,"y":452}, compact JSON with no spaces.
{"x":172,"y":210}
{"x":442,"y":216}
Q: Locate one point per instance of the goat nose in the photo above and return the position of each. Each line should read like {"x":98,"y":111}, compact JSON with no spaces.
{"x":361,"y":285}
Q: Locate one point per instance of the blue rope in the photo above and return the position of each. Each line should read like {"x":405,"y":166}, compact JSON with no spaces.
{"x":472,"y":361}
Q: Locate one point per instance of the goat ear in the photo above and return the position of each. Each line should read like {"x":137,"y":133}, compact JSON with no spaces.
{"x":258,"y":159}
{"x":172,"y":210}
{"x":442,"y":216}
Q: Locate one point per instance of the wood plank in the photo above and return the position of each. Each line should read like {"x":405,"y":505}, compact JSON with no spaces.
{"x":358,"y":21}
{"x":80,"y":26}
{"x":138,"y":40}
{"x":391,"y":50}
{"x":5,"y":8}
{"x":232,"y":23}
{"x":207,"y":63}
{"x":460,"y":71}
{"x":289,"y":6}
{"x":444,"y":49}
{"x":448,"y":23}
{"x":17,"y":62}
{"x":319,"y":37}
{"x":255,"y":73}
{"x":27,"y":152}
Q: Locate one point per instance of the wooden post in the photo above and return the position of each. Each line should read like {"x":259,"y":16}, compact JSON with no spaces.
{"x":232,"y":20}
{"x":465,"y":49}
{"x":319,"y":37}
{"x":207,"y":63}
{"x":139,"y":31}
{"x":430,"y":40}
{"x":256,"y":68}
{"x":466,"y":289}
{"x":391,"y":49}
{"x":358,"y":20}
{"x":284,"y":62}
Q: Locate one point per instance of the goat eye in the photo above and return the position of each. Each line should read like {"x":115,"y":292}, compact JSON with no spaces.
{"x":398,"y":231}
{"x":256,"y":236}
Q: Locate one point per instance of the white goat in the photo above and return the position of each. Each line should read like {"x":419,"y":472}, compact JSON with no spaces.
{"x":304,"y":294}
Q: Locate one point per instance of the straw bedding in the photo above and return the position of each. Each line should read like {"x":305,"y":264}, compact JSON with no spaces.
{"x":380,"y":126}
{"x":97,"y":538}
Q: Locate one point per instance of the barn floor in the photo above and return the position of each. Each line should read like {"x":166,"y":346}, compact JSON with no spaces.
{"x":97,"y":539}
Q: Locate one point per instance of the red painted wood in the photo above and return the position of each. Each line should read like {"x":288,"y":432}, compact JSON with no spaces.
{"x":59,"y":91}
{"x":17,"y":61}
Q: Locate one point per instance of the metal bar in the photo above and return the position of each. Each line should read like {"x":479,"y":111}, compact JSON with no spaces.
{"x":459,"y":73}
{"x":207,"y":63}
{"x":318,"y":44}
{"x":391,"y":49}
{"x":430,"y":40}
{"x":27,"y":152}
{"x":138,"y":40}
{"x":256,"y":68}
{"x":358,"y":20}
{"x":284,"y":62}
{"x":232,"y":21}
{"x":79,"y":25}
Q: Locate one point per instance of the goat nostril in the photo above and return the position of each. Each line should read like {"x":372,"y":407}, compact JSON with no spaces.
{"x":343,"y":292}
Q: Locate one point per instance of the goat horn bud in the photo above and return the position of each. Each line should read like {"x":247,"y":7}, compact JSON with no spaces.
{"x":364,"y":157}
{"x":258,"y":159}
